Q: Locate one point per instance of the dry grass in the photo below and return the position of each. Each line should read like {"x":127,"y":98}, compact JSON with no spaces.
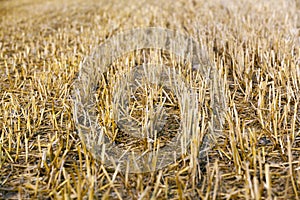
{"x":254,"y":45}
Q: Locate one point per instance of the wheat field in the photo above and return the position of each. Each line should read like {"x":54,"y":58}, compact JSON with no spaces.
{"x":254,"y":47}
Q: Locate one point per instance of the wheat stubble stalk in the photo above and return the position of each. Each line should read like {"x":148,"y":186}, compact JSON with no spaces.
{"x":188,"y":138}
{"x":256,"y":43}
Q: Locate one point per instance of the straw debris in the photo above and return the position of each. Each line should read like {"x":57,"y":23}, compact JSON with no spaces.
{"x":255,"y":47}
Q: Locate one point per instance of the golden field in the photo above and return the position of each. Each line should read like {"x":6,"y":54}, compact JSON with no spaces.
{"x":255,"y":48}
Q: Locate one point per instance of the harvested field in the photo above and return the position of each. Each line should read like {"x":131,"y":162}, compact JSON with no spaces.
{"x":254,"y":48}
